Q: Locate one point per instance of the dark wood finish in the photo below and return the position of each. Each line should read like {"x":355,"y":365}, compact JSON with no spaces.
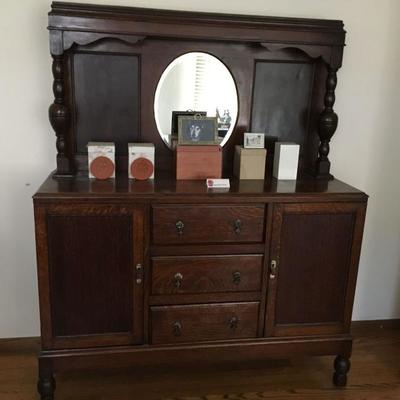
{"x":342,"y":367}
{"x":313,"y":243}
{"x":207,"y":224}
{"x":327,"y":126}
{"x":375,"y":356}
{"x":91,"y":274}
{"x":89,"y":295}
{"x":206,"y":274}
{"x":169,"y":272}
{"x":59,"y":116}
{"x":166,"y":189}
{"x":106,"y":112}
{"x":280,"y":105}
{"x":203,"y":322}
{"x":46,"y":387}
{"x":168,"y":299}
{"x":157,"y":37}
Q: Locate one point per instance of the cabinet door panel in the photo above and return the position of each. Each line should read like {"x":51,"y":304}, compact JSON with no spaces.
{"x":316,"y":248}
{"x":91,"y":257}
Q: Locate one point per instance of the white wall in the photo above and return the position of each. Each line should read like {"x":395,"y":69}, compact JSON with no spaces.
{"x":364,"y":149}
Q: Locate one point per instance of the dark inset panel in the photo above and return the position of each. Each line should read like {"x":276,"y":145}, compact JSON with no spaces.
{"x":281,"y":99}
{"x":106,"y":89}
{"x":91,"y":274}
{"x":313,"y":268}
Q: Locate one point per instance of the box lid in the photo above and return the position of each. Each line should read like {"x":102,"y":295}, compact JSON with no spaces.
{"x":250,"y":152}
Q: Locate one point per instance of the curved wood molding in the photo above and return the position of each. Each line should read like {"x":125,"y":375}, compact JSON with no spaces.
{"x":84,"y":38}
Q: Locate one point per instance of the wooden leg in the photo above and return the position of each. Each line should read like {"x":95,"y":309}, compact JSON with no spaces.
{"x":342,"y":367}
{"x":46,"y":386}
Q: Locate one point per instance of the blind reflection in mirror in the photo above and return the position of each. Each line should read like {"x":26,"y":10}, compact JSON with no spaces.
{"x":196,"y":82}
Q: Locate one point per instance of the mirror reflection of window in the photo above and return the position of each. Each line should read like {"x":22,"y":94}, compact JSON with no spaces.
{"x":198,"y":82}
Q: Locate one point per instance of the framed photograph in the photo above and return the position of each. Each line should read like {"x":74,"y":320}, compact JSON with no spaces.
{"x":253,"y":140}
{"x":197,"y":130}
{"x":177,"y":114}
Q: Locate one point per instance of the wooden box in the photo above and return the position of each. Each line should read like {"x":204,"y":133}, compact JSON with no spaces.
{"x":249,"y":163}
{"x":198,"y":162}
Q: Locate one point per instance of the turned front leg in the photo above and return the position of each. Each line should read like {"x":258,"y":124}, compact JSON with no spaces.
{"x":46,"y":386}
{"x":342,"y":367}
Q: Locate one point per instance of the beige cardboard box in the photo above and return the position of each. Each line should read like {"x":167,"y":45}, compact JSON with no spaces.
{"x":249,"y":163}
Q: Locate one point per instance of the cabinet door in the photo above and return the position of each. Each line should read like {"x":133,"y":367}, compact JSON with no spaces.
{"x":90,"y":266}
{"x":313,"y":267}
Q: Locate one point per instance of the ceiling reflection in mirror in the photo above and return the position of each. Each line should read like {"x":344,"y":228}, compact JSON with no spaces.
{"x":196,"y":83}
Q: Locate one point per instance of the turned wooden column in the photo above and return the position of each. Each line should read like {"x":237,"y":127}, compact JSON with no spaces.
{"x":328,"y":122}
{"x":59,"y":116}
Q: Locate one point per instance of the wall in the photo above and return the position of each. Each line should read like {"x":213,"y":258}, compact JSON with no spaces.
{"x":364,"y":149}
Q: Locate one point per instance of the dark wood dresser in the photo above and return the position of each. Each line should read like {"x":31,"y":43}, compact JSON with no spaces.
{"x":162,"y":272}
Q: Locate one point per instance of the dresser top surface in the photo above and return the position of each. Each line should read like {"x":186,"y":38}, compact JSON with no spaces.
{"x":163,"y":187}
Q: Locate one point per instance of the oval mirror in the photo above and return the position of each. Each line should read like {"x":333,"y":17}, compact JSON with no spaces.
{"x":195,"y":83}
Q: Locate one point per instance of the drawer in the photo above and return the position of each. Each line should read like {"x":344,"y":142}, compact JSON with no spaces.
{"x":208,"y":224}
{"x":206,"y":274}
{"x":204,"y":322}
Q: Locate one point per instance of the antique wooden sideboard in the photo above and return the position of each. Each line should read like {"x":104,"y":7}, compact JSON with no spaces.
{"x":134,"y":273}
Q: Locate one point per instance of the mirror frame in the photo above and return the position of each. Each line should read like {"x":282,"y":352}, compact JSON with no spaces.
{"x":159,"y":88}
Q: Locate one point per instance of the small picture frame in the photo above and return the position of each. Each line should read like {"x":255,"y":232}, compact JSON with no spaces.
{"x":253,"y":140}
{"x":177,"y":114}
{"x":197,"y":130}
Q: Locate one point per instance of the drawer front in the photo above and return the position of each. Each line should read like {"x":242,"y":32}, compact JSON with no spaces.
{"x":204,"y":322}
{"x":208,"y":224}
{"x":206,"y":274}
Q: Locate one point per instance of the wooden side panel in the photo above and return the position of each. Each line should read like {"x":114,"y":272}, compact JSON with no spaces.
{"x":88,"y":275}
{"x":316,"y":249}
{"x":90,"y":267}
{"x":313,"y":268}
{"x":106,"y":89}
{"x":281,"y":102}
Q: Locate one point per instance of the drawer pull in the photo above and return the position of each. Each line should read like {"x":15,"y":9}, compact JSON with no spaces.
{"x":237,"y":226}
{"x":177,"y":328}
{"x":236,"y":277}
{"x":179,"y":227}
{"x":178,"y":277}
{"x":233,"y":323}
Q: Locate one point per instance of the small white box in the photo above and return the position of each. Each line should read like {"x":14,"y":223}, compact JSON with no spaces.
{"x":286,"y":160}
{"x":141,"y":150}
{"x":101,"y":149}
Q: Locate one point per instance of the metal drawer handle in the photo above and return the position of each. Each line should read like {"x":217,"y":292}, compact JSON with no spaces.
{"x":178,"y":277}
{"x":179,"y":227}
{"x":237,"y":226}
{"x":236,"y":276}
{"x":177,"y":328}
{"x":233,"y":323}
